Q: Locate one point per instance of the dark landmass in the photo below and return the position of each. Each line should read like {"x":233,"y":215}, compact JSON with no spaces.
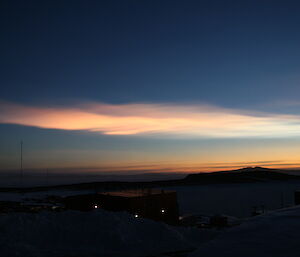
{"x":244,"y":175}
{"x":250,"y":174}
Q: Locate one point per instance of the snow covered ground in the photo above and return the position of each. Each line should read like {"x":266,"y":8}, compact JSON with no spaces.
{"x":275,"y":234}
{"x":97,"y":233}
{"x":109,"y":234}
{"x":101,"y":233}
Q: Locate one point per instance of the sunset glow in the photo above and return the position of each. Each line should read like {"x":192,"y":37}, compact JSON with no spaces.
{"x":150,"y":87}
{"x":153,"y":119}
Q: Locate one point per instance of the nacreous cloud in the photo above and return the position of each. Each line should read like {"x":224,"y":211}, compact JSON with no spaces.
{"x":134,"y":119}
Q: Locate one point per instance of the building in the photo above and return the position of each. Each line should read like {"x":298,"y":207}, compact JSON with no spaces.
{"x":297,"y":197}
{"x":154,"y":204}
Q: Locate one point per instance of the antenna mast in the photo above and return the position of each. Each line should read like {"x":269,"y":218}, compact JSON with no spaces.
{"x":21,"y":170}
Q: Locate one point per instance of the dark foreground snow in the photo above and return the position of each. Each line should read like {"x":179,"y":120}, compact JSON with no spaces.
{"x":101,"y":233}
{"x":98,"y":233}
{"x":276,"y":234}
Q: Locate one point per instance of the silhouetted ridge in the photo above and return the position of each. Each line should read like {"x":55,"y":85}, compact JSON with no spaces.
{"x":252,"y":169}
{"x":244,"y":175}
{"x":248,"y":174}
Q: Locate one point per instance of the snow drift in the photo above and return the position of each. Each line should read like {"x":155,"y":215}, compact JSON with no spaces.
{"x":272,"y":235}
{"x":97,"y":233}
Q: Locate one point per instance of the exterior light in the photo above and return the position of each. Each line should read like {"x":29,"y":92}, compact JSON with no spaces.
{"x":162,"y":210}
{"x":136,"y":215}
{"x":96,"y":206}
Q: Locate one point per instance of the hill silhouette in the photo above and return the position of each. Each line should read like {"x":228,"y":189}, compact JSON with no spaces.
{"x":243,"y":175}
{"x":248,"y":174}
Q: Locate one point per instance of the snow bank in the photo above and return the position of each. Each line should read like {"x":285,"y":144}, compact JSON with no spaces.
{"x":98,"y":233}
{"x":272,"y":235}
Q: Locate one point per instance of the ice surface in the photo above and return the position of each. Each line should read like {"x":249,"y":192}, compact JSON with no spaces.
{"x":235,"y":200}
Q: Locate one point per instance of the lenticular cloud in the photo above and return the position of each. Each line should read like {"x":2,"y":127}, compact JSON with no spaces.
{"x":153,"y":119}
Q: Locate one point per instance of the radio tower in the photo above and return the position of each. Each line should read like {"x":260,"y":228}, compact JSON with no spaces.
{"x":21,"y":169}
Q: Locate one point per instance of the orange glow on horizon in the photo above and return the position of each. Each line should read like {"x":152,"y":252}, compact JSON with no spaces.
{"x":183,"y":168}
{"x":176,"y":122}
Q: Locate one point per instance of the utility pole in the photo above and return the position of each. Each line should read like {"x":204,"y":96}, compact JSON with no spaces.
{"x":21,"y":169}
{"x":47,"y":180}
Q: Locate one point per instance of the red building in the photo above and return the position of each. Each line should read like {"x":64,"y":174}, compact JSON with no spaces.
{"x":154,"y":204}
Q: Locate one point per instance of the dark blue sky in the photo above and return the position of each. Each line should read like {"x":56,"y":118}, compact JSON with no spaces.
{"x":243,"y":55}
{"x":233,"y":53}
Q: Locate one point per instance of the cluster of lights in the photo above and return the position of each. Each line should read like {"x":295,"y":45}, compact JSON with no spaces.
{"x":162,"y":211}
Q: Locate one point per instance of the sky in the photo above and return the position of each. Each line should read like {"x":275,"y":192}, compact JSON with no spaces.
{"x":149,"y":85}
